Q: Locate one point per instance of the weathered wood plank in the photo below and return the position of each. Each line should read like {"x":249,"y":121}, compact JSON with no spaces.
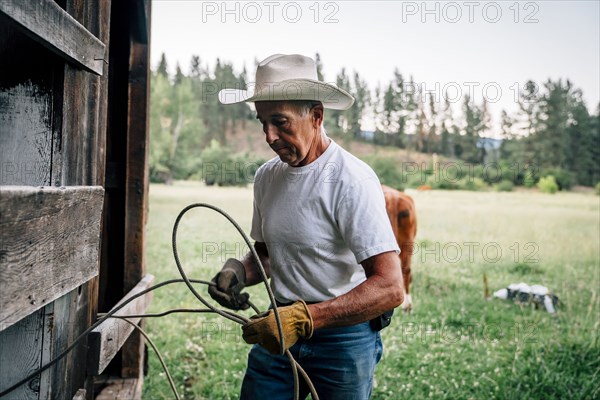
{"x":49,"y":239}
{"x":105,"y":341}
{"x":54,"y":28}
{"x":20,"y":347}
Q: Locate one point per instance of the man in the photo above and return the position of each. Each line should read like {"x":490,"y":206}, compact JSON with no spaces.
{"x":323,"y":235}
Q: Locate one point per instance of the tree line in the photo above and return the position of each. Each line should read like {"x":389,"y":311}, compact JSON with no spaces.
{"x":552,"y":133}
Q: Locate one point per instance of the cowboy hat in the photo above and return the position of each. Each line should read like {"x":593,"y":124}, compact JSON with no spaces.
{"x":289,"y":77}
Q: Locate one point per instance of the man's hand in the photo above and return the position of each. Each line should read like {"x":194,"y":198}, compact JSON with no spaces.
{"x":296,"y":322}
{"x":228,"y":284}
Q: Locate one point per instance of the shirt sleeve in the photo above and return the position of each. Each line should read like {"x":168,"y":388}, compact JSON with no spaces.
{"x":363,"y":220}
{"x":256,"y":229}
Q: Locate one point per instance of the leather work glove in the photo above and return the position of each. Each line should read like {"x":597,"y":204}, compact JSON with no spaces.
{"x":228,"y":284}
{"x":296,"y":322}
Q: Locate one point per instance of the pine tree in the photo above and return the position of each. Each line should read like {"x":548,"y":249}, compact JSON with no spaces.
{"x":422,"y":128}
{"x":583,"y":150}
{"x":482,"y":130}
{"x":507,"y":134}
{"x":410,"y":116}
{"x":340,"y":118}
{"x":394,"y":111}
{"x":320,"y":75}
{"x":431,"y":145}
{"x":593,"y":138}
{"x":527,"y":125}
{"x":471,"y":127}
{"x":390,"y":112}
{"x":178,"y":75}
{"x":196,"y":77}
{"x":551,"y":139}
{"x":362,"y":100}
{"x":406,"y":108}
{"x":196,"y":72}
{"x":448,"y":130}
{"x":162,"y":66}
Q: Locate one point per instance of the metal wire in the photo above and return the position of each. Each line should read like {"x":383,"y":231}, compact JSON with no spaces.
{"x":295,"y":366}
{"x":91,"y":328}
{"x":293,"y":363}
{"x":240,"y":319}
{"x":162,"y":361}
{"x":250,"y":246}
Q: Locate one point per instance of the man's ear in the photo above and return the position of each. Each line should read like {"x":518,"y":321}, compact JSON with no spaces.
{"x":317,"y":115}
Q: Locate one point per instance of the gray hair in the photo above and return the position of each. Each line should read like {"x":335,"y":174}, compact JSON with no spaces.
{"x":303,"y":107}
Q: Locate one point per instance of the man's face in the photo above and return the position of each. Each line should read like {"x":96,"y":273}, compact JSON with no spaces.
{"x":289,"y":133}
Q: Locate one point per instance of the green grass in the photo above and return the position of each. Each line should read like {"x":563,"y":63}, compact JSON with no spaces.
{"x":455,"y":344}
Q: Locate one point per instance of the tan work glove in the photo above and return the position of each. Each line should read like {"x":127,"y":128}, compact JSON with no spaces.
{"x":296,"y":322}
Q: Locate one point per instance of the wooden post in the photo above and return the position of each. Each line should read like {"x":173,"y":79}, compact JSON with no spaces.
{"x":136,"y":180}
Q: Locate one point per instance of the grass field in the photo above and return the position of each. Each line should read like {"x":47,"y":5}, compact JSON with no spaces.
{"x":455,"y":344}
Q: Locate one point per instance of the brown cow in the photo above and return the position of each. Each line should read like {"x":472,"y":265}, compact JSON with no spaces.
{"x":401,"y":211}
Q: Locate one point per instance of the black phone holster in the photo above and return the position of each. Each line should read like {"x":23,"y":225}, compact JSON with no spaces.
{"x":380,"y":322}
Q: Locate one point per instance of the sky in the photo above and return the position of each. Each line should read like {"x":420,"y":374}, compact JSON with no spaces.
{"x":482,"y":48}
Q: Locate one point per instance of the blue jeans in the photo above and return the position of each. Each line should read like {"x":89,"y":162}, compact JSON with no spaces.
{"x":339,"y":361}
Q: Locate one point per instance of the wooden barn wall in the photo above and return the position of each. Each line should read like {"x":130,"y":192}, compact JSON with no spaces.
{"x":61,"y":125}
{"x":52,"y":132}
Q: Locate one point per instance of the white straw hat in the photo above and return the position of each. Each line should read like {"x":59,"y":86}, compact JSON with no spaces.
{"x":287,"y":78}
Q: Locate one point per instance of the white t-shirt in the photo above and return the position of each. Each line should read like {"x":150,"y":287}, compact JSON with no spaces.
{"x":319,"y":222}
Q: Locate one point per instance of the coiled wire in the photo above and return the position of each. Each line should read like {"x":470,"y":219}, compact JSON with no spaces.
{"x":240,"y":319}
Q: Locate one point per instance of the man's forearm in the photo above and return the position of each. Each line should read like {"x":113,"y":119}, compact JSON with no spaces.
{"x":382,"y":291}
{"x":253,"y":275}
